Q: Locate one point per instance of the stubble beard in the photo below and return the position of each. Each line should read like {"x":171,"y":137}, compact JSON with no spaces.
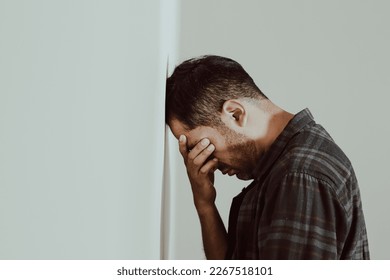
{"x":242,"y":151}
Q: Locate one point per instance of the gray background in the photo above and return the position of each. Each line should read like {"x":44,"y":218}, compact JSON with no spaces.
{"x":330,"y":56}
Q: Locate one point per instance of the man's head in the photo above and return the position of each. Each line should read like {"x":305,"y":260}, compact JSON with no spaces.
{"x":198,"y":88}
{"x":214,"y":97}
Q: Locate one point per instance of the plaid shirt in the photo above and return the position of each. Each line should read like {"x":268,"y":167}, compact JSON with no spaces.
{"x":304,"y":202}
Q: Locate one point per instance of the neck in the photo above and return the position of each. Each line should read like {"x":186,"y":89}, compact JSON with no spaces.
{"x":273,"y":120}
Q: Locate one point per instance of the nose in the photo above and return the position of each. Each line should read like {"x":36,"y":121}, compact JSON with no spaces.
{"x":224,"y":171}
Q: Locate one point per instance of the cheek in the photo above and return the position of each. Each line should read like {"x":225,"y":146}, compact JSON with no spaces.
{"x":221,"y":149}
{"x":221,"y":152}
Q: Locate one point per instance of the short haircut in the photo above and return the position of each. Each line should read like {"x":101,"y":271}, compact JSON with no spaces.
{"x":198,"y":88}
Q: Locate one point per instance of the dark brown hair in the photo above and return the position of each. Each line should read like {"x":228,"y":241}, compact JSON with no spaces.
{"x":198,"y":88}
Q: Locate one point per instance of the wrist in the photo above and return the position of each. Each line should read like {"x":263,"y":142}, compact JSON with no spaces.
{"x":205,"y":209}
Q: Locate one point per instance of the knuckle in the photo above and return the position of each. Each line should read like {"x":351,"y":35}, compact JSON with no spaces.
{"x":206,"y":152}
{"x":195,"y":150}
{"x":191,"y":156}
{"x":203,"y":171}
{"x":197,"y":161}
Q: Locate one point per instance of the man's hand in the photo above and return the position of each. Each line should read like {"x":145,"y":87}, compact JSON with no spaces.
{"x":200,"y":170}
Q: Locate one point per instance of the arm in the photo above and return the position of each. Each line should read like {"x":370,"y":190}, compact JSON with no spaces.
{"x":214,"y":234}
{"x":200,"y":172}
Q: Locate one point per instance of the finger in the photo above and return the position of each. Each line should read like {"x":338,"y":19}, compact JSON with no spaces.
{"x":183,"y":146}
{"x":210,"y":166}
{"x":204,"y":155}
{"x":198,"y":148}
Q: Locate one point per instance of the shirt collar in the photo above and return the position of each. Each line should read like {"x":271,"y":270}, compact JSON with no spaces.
{"x":297,"y":123}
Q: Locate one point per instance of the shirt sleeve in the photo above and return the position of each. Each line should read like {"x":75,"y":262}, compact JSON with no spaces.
{"x":302,"y":219}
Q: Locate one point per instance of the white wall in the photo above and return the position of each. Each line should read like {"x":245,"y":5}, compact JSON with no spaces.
{"x":81,"y":128}
{"x":81,"y":113}
{"x":331,"y":56}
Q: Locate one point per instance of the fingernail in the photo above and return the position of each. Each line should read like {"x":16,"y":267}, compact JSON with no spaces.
{"x":205,"y":142}
{"x":211,"y":147}
{"x":182,"y":138}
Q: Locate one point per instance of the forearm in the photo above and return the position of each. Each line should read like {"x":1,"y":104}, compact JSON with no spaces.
{"x":213,"y":233}
{"x":200,"y":170}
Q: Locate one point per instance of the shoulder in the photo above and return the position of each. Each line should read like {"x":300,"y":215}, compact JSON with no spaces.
{"x":313,"y":163}
{"x":313,"y":152}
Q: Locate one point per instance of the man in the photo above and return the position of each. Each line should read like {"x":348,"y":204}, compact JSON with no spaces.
{"x":304,"y":200}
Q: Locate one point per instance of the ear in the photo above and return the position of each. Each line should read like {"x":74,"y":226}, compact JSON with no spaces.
{"x":234,"y":113}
